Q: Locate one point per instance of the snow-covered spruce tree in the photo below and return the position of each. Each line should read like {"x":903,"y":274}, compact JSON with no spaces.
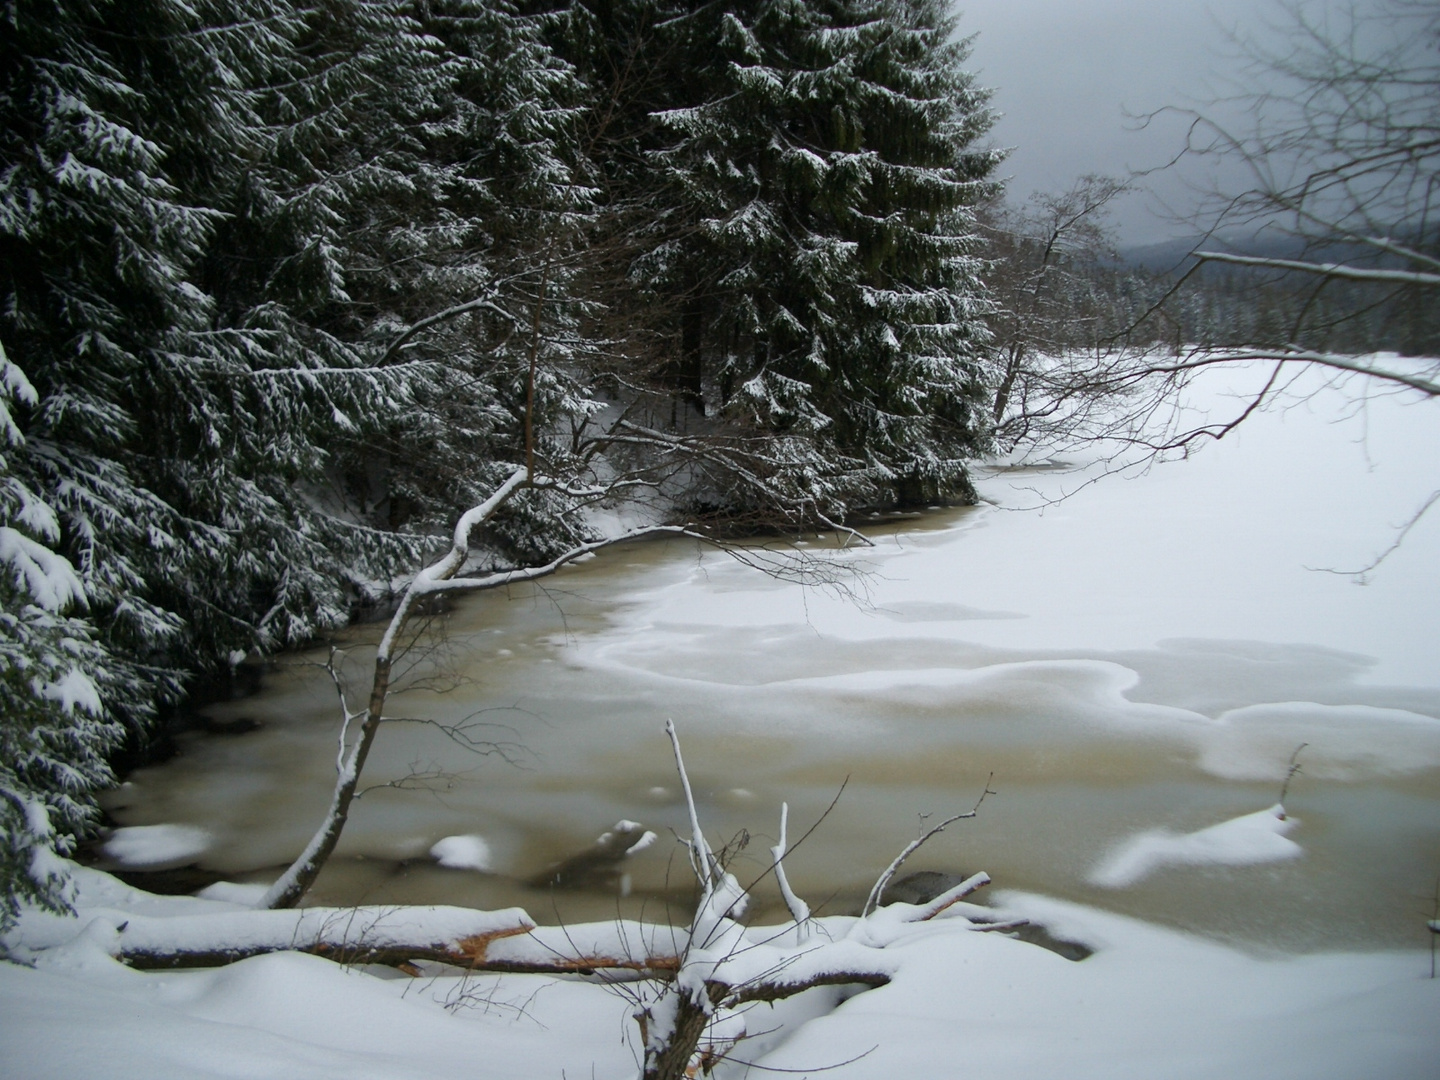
{"x":819,"y":194}
{"x":54,"y":730}
{"x":151,"y":426}
{"x":256,"y":259}
{"x":412,"y":237}
{"x":120,"y":124}
{"x":516,"y":372}
{"x":222,"y":217}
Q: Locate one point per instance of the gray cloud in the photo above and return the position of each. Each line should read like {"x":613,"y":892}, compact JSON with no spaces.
{"x":1067,"y":73}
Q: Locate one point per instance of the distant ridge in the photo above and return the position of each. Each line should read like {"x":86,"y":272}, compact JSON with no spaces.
{"x":1174,"y":256}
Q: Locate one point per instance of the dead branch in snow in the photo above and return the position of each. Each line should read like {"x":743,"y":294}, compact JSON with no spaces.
{"x":437,"y":579}
{"x":1290,"y":774}
{"x":697,"y":1017}
{"x":878,"y":891}
{"x":503,"y":941}
{"x":468,"y":952}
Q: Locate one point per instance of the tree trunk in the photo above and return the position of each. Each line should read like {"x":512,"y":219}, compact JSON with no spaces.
{"x":296,"y":881}
{"x":671,"y":1059}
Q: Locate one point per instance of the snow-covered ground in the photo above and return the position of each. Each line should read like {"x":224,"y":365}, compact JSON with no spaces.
{"x":1147,"y":1003}
{"x":1189,"y":609}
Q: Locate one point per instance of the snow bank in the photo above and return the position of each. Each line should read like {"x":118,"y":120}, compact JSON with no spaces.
{"x":230,"y":892}
{"x":1242,"y":841}
{"x":1344,"y":742}
{"x":1230,"y":544}
{"x":302,"y":1018}
{"x":1149,"y":1003}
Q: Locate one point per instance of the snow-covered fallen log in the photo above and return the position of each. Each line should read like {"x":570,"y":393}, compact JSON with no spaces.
{"x":357,"y":935}
{"x":495,"y":941}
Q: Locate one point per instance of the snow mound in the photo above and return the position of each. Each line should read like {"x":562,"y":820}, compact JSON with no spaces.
{"x":1242,"y":841}
{"x":463,"y":853}
{"x":231,"y":892}
{"x":1122,"y":1014}
{"x":152,"y":845}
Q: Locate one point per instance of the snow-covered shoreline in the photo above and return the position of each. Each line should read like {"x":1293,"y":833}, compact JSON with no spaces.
{"x":1148,"y":1002}
{"x":1064,"y":620}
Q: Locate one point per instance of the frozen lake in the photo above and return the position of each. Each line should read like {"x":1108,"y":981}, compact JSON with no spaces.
{"x":1133,"y":664}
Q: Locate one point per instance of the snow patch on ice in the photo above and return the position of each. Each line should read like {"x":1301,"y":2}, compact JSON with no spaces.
{"x":1242,"y":841}
{"x":151,"y":845}
{"x":464,"y":853}
{"x":641,"y":844}
{"x":1345,"y":742}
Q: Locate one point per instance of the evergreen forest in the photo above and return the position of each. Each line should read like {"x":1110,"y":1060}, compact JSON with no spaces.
{"x":287,"y":287}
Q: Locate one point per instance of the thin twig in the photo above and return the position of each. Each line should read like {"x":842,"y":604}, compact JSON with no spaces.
{"x":1291,"y":773}
{"x":873,"y":900}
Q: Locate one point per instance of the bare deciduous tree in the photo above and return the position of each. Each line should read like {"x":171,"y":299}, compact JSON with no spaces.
{"x":1329,"y":186}
{"x":1339,"y":150}
{"x":1045,"y":261}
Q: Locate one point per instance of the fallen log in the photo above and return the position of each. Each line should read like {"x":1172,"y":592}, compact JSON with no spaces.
{"x":500,"y":941}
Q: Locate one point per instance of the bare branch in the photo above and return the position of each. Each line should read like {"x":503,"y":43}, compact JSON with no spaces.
{"x":1290,"y":774}
{"x":480,"y":303}
{"x":798,"y":909}
{"x":876,"y":893}
{"x":1298,"y":356}
{"x":1333,"y":270}
{"x":702,"y":860}
{"x":1394,"y":546}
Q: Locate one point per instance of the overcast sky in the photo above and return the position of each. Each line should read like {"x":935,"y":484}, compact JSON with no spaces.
{"x":1066,"y":71}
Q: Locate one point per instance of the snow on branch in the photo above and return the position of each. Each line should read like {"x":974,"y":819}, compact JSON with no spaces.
{"x":702,"y":859}
{"x":799,"y":910}
{"x":878,"y":891}
{"x":358,"y":935}
{"x":1333,"y":270}
{"x":697,"y":1017}
{"x":301,"y":874}
{"x":45,"y":577}
{"x":486,"y":303}
{"x":440,"y":577}
{"x":530,"y":573}
{"x":1337,"y":361}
